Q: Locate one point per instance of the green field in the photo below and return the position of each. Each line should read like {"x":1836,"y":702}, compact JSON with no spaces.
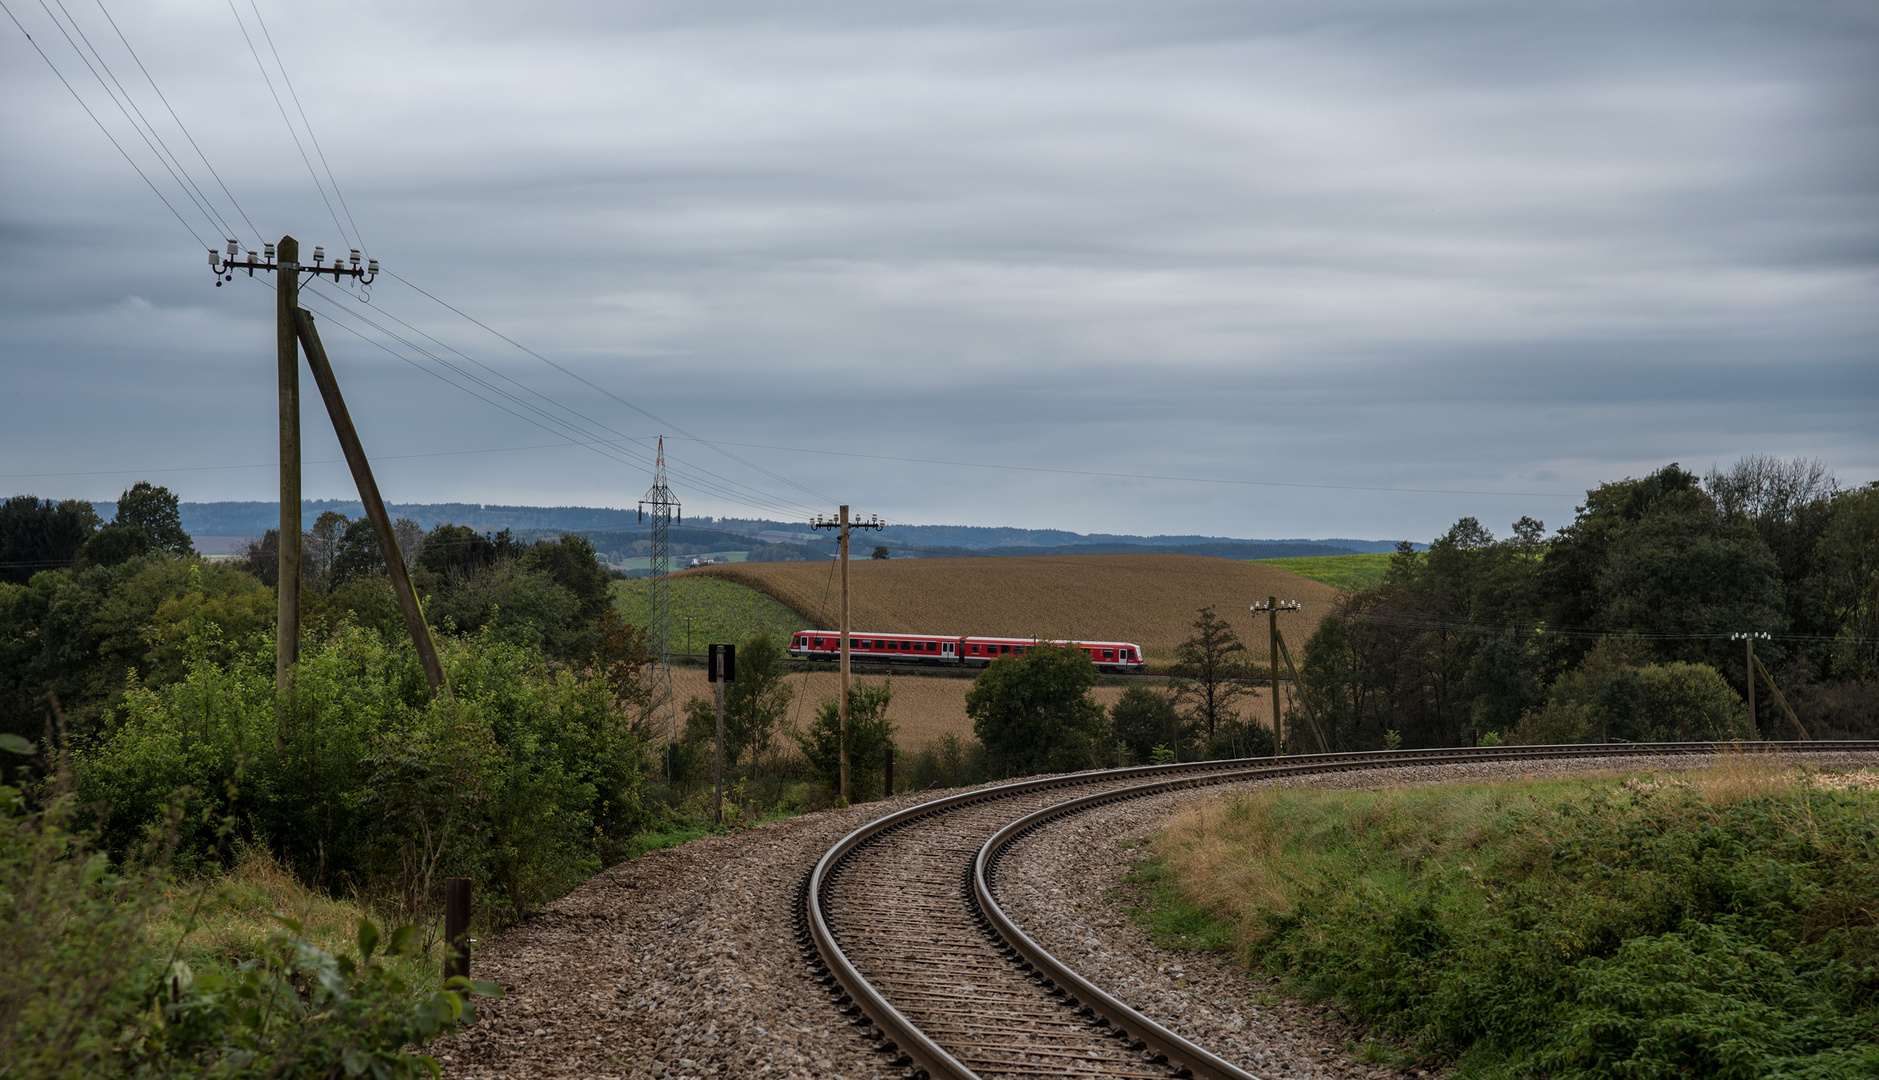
{"x":678,"y":561}
{"x":719,"y":611}
{"x":1338,"y":571}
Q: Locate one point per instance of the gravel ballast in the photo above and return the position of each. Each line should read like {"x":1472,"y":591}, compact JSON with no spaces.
{"x":682,"y":963}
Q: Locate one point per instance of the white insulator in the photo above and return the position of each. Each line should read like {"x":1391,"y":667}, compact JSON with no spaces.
{"x":319,"y":254}
{"x":214,"y":257}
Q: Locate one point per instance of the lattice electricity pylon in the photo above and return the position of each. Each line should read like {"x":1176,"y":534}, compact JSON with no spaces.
{"x":659,"y":618}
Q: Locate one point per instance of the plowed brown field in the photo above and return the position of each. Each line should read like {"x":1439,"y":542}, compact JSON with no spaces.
{"x":1148,"y":599}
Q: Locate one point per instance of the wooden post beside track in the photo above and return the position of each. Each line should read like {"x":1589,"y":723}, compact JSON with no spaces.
{"x":456,"y":927}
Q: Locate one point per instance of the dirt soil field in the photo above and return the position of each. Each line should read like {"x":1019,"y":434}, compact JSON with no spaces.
{"x":1148,"y":599}
{"x":924,"y":707}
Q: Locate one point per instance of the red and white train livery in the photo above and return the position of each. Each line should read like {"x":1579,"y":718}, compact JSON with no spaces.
{"x":965,"y":651}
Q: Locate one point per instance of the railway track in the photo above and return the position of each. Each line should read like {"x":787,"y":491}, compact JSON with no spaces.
{"x":901,"y":924}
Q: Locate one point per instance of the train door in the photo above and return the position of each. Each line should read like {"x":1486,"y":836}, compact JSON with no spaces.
{"x":948,"y":651}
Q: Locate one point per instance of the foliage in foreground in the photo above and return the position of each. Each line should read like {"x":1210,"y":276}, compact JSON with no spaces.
{"x":86,"y":994}
{"x":529,"y":781}
{"x":1721,"y":926}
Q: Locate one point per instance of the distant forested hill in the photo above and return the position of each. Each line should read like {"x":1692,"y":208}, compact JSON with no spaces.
{"x":619,"y":530}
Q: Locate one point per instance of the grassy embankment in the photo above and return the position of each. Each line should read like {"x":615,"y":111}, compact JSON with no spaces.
{"x":1349,"y":572}
{"x":1716,"y":924}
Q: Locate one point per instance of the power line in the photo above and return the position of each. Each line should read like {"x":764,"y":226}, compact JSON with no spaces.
{"x":295,"y":135}
{"x":610,"y":394}
{"x":94,"y":119}
{"x":179,"y":121}
{"x":158,"y":147}
{"x":686,"y":472}
{"x":1418,"y":622}
{"x":587,"y":439}
{"x":357,"y":236}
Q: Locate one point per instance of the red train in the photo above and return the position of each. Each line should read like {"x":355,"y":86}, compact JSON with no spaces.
{"x":966,"y":651}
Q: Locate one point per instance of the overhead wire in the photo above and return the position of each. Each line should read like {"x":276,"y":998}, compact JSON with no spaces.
{"x":357,"y":236}
{"x":266,"y":78}
{"x":686,"y":470}
{"x":587,"y":438}
{"x":132,"y":162}
{"x":184,"y":128}
{"x":610,"y":394}
{"x":140,"y":123}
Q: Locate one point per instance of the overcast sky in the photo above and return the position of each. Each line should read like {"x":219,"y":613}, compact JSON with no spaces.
{"x":1413,"y":260}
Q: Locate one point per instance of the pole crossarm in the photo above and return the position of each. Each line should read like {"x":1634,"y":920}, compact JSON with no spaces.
{"x":287,"y":260}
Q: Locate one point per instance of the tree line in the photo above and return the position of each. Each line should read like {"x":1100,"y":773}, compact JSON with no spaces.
{"x":1620,"y":626}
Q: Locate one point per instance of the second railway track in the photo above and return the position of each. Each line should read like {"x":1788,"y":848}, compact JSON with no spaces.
{"x":902,"y":923}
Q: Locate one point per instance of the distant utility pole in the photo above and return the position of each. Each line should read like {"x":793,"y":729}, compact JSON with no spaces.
{"x":659,"y":598}
{"x":294,"y":332}
{"x":1272,"y":606}
{"x":1754,"y":666}
{"x":720,"y":668}
{"x":843,"y":524}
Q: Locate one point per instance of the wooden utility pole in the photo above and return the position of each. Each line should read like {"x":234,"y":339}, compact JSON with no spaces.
{"x":287,"y":341}
{"x":1272,"y":607}
{"x":1272,"y":639}
{"x":843,"y":525}
{"x":293,"y":328}
{"x":374,"y":505}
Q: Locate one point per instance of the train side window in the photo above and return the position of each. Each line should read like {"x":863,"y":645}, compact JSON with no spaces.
{"x":1109,"y":654}
{"x":975,"y":650}
{"x":1004,"y":648}
{"x":932,"y":646}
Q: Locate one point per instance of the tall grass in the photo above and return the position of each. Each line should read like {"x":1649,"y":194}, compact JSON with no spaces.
{"x":1721,"y":924}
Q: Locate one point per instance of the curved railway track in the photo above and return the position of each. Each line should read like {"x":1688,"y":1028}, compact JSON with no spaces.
{"x":901,"y":923}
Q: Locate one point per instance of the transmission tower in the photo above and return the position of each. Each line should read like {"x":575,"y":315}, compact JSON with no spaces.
{"x":659,"y":615}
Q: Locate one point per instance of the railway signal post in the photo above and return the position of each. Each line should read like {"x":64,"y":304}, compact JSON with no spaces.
{"x":720,"y":668}
{"x":1272,"y":607}
{"x":843,"y":524}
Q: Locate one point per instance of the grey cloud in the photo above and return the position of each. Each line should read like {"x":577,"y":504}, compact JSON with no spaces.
{"x":1430,"y":245}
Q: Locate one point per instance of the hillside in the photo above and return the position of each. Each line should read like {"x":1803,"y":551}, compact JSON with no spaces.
{"x":1148,"y":599}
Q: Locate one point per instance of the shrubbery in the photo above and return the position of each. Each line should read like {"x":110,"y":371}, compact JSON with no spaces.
{"x":1717,"y":928}
{"x":85,"y":994}
{"x":528,"y":781}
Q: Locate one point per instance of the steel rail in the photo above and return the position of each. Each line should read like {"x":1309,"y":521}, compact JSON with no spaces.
{"x":870,"y":1007}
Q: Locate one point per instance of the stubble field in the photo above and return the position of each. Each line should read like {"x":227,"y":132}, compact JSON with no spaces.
{"x":924,"y":706}
{"x":1149,"y":599}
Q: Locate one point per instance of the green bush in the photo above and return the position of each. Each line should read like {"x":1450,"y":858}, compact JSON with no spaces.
{"x":1654,"y":929}
{"x":85,"y":995}
{"x":1034,"y":714}
{"x":870,"y":733}
{"x":1611,"y":699}
{"x":528,"y":781}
